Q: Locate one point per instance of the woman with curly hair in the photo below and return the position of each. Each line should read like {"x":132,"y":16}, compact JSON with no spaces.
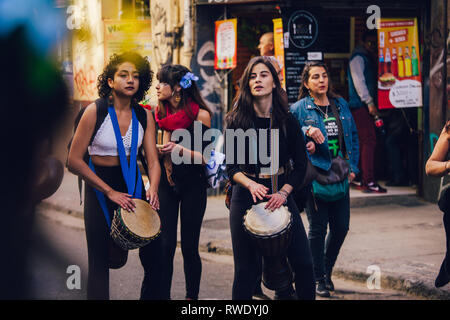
{"x":123,"y":83}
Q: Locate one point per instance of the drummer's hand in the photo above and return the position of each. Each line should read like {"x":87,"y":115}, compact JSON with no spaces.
{"x":124,"y":200}
{"x":276,"y":200}
{"x":257,"y":190}
{"x":152,"y":198}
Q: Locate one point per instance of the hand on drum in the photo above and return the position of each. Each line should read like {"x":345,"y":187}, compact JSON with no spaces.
{"x":276,"y":200}
{"x":257,"y":190}
{"x":122,"y":199}
{"x":152,"y":198}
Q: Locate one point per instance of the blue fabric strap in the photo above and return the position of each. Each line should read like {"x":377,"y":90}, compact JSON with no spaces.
{"x":129,"y":171}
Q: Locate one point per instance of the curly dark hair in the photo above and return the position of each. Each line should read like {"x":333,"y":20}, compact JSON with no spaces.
{"x":142,"y":65}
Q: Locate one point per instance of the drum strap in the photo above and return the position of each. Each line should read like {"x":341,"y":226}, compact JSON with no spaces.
{"x":128,"y":170}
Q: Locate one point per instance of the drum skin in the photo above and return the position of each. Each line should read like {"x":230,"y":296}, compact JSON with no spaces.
{"x":269,"y":229}
{"x":132,"y":230}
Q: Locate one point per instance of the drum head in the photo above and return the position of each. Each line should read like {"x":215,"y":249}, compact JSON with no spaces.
{"x":144,"y":221}
{"x":264,"y":222}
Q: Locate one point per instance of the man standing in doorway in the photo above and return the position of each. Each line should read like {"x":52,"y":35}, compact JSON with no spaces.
{"x":266,"y":46}
{"x":362,"y":83}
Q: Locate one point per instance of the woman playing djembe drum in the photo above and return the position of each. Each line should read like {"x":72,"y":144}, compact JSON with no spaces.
{"x":260,"y":106}
{"x":123,"y":83}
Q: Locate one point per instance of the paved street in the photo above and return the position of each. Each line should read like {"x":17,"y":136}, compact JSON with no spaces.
{"x":65,"y":245}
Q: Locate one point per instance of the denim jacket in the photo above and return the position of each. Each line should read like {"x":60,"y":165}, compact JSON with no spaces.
{"x":307,"y":113}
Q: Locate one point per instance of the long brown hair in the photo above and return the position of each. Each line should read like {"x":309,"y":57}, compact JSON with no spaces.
{"x":172,"y":75}
{"x":304,"y":92}
{"x":243,"y":114}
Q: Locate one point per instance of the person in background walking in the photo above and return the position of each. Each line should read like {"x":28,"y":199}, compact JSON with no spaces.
{"x":321,"y":125}
{"x":438,"y":165}
{"x":362,"y":83}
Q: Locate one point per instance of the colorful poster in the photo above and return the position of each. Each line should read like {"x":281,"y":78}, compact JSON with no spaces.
{"x":127,"y":35}
{"x":225,"y":45}
{"x":399,"y":76}
{"x":279,"y":46}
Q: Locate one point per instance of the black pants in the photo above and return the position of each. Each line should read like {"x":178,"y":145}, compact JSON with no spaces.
{"x":337,"y":215}
{"x":98,"y":238}
{"x":188,"y":199}
{"x":247,"y":260}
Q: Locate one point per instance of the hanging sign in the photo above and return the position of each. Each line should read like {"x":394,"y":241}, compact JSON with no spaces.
{"x":279,"y":46}
{"x":399,"y":77}
{"x":225,"y":44}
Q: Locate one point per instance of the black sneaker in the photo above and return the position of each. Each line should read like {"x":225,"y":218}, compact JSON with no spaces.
{"x":321,"y":291}
{"x":373,"y":187}
{"x":329,"y":285}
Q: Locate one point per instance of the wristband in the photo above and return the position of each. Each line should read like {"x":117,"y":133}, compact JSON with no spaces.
{"x":284,"y":196}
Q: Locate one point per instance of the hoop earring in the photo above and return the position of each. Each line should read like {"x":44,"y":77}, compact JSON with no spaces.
{"x":177,"y":96}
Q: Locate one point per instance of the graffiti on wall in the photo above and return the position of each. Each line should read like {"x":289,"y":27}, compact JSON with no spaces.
{"x":209,"y":84}
{"x":85,"y":81}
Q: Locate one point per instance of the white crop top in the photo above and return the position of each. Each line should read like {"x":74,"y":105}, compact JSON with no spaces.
{"x":104,"y":143}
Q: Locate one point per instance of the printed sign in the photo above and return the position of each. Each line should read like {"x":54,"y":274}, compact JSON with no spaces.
{"x":127,"y":35}
{"x":226,"y":44}
{"x":301,"y":42}
{"x":279,"y":46}
{"x":399,"y":77}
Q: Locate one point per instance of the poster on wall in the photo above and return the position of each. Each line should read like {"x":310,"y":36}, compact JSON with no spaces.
{"x":399,"y":76}
{"x":127,"y":35}
{"x":226,"y":44}
{"x":279,"y":46}
{"x":301,"y":44}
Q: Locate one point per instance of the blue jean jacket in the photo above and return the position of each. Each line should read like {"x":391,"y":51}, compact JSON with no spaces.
{"x":307,"y":113}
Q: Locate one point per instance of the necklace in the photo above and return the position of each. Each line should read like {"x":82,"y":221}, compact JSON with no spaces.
{"x":325,"y":114}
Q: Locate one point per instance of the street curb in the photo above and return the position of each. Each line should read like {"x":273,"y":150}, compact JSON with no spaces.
{"x":410,"y":286}
{"x":359,"y":202}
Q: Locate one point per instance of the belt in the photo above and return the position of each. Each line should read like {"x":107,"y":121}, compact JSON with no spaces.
{"x":265,"y":176}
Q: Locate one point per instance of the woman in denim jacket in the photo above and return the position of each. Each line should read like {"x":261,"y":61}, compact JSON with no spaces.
{"x":314,"y":112}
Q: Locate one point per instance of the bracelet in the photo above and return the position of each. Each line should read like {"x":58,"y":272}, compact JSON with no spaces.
{"x":284,"y":195}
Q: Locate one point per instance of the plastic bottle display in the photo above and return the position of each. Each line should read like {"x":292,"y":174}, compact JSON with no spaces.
{"x":394,"y":65}
{"x":400,"y":64}
{"x":388,"y":61}
{"x":414,"y":62}
{"x":408,"y":64}
{"x":381,"y":63}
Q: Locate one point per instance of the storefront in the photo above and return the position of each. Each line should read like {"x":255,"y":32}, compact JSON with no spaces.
{"x":340,"y":25}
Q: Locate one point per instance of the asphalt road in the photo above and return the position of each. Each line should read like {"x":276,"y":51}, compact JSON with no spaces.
{"x":59,"y":242}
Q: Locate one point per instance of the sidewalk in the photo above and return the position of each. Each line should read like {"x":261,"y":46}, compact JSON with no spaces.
{"x":397,"y":232}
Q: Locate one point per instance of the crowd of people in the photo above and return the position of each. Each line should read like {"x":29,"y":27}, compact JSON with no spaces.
{"x":321,"y":132}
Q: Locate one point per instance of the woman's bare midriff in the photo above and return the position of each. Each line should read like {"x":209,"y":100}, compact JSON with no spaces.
{"x":107,"y":161}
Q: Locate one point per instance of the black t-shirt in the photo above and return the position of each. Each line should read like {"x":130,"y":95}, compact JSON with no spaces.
{"x":290,"y":146}
{"x":332,"y":129}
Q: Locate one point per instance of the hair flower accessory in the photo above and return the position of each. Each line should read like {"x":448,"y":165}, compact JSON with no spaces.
{"x":187,"y":79}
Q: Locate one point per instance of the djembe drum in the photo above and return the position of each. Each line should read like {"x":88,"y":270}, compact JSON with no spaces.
{"x":271,"y":230}
{"x":132,"y":230}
